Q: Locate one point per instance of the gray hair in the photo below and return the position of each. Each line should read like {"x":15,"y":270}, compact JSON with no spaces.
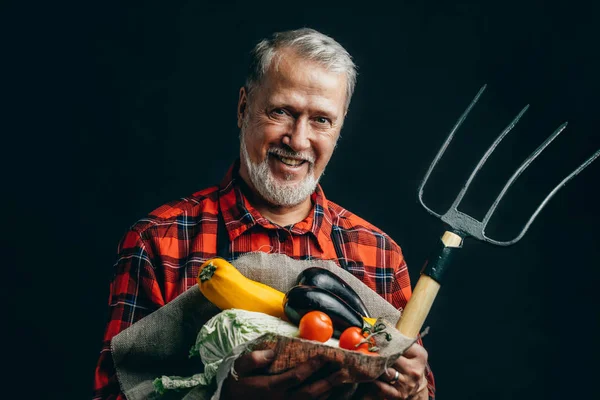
{"x":308,"y":44}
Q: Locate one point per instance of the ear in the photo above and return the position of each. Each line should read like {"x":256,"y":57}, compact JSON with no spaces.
{"x":242,"y":107}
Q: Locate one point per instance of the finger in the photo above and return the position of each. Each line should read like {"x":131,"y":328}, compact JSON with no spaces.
{"x":253,"y":361}
{"x":399,"y":391}
{"x":325,"y":385}
{"x":385,"y":390}
{"x":415,"y":351}
{"x":296,"y":375}
{"x":390,"y":377}
{"x":410,"y":378}
{"x":411,"y":370}
{"x":422,"y":384}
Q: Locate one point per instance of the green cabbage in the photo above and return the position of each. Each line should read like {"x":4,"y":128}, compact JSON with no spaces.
{"x":218,"y":337}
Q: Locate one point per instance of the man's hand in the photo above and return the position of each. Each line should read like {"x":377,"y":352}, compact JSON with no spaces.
{"x":409,"y":382}
{"x":251,"y":383}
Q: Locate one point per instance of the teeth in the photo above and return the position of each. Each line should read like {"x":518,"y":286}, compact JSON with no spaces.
{"x":291,"y":161}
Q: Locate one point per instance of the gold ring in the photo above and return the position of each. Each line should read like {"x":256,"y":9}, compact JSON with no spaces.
{"x":396,"y":376}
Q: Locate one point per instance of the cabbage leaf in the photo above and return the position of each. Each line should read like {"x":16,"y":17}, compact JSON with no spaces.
{"x":218,"y":337}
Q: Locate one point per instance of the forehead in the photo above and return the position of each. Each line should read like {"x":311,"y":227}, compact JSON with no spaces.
{"x":290,"y":78}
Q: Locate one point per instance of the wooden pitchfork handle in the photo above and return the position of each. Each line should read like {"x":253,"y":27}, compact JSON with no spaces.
{"x":428,"y":285}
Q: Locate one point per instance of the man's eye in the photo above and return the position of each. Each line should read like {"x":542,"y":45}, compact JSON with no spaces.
{"x":322,"y":120}
{"x":278,"y":111}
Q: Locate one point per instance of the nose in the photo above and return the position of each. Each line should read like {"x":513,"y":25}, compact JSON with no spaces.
{"x":298,"y":138}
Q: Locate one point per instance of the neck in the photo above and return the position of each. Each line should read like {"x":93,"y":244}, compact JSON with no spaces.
{"x":284,"y":216}
{"x":280,"y":215}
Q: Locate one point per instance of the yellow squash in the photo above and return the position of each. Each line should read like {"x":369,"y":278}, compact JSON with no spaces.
{"x":224,"y":286}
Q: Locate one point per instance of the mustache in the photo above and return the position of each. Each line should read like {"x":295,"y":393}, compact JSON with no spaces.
{"x":283,"y":152}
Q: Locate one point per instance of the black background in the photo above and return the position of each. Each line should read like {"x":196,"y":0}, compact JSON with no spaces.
{"x":111,"y":110}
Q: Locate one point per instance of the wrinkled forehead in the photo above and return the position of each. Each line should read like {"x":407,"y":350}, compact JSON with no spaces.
{"x":291,"y":77}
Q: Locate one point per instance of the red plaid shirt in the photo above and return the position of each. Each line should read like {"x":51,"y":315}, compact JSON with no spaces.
{"x":159,"y":257}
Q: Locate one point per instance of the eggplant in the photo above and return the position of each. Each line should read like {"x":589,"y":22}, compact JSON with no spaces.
{"x":299,"y":300}
{"x":324,"y":279}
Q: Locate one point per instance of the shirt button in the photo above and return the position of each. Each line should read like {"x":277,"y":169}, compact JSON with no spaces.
{"x":282,"y":236}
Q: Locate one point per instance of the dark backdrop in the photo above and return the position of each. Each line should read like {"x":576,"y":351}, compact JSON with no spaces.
{"x":113,"y":109}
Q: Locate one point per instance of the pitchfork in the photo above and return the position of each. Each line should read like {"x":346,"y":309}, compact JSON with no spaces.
{"x":463,"y":225}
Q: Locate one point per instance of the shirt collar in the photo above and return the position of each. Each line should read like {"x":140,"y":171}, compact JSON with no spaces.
{"x":239,"y":215}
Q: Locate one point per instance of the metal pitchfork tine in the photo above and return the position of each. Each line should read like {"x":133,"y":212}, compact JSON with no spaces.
{"x":463,"y":225}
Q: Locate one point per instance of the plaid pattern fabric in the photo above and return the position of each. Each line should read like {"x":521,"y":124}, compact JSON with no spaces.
{"x":159,"y":257}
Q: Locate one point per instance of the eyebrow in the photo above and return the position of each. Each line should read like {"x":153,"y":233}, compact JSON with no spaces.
{"x":319,"y":111}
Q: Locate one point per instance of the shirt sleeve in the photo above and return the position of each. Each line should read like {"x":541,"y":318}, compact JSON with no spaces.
{"x":400,"y":301}
{"x":134,"y":293}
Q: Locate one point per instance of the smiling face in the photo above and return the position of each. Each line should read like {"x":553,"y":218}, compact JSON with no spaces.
{"x":289,"y":128}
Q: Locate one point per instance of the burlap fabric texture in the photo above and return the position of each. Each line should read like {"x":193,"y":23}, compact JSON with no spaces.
{"x":159,"y":344}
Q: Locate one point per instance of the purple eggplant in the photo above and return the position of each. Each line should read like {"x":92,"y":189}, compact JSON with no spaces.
{"x":299,"y":300}
{"x":324,"y":279}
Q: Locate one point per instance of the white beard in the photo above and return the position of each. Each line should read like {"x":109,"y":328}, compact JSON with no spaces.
{"x":272,"y":189}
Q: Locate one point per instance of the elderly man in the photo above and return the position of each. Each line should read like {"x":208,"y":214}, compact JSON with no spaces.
{"x":290,"y":113}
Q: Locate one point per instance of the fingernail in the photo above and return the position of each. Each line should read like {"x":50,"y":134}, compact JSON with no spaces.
{"x":269,"y":355}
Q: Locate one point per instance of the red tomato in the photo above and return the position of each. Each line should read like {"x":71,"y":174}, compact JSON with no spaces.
{"x":365,"y":350}
{"x":351,"y":337}
{"x":316,"y":325}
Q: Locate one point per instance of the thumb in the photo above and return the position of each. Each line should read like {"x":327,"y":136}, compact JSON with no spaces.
{"x":252,"y":361}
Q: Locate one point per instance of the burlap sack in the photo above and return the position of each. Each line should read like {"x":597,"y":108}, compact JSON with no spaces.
{"x":159,"y":343}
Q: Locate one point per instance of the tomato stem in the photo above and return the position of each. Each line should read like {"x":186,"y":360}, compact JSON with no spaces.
{"x":377,"y":329}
